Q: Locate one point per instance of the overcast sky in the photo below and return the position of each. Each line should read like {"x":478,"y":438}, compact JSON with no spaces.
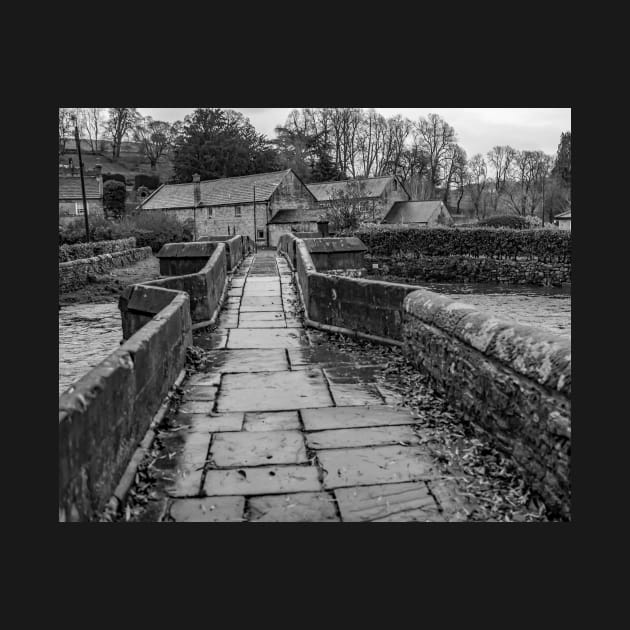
{"x":478,"y":129}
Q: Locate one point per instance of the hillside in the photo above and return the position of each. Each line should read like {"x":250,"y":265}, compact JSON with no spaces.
{"x":129,"y":164}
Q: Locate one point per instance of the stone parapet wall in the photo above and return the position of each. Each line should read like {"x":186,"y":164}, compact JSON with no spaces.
{"x":105,"y":414}
{"x":512,"y":381}
{"x":75,"y":273}
{"x":204,"y":288}
{"x":471,"y":270}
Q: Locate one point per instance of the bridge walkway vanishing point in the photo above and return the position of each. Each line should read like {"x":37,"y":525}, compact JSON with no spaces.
{"x":279,"y":429}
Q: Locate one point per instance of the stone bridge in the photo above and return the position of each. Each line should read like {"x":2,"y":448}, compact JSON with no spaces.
{"x":274,"y":428}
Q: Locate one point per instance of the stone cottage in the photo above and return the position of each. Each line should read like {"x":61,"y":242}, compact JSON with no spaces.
{"x":71,"y":199}
{"x":243,"y":205}
{"x":419,"y":213}
{"x":374,"y":195}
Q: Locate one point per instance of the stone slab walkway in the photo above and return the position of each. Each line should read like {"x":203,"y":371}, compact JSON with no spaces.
{"x":280,"y":430}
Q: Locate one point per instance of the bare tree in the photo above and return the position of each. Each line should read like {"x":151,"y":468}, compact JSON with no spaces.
{"x":501,"y":158}
{"x":454,"y":162}
{"x":347,"y":207}
{"x":120,"y":123}
{"x":527,"y":172}
{"x":65,"y":126}
{"x":434,"y":135}
{"x":92,"y":124}
{"x":155,"y":137}
{"x":478,"y":172}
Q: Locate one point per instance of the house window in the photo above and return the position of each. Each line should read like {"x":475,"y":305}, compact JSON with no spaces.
{"x":261,"y":234}
{"x":209,"y":213}
{"x":78,"y":207}
{"x":237,"y":211}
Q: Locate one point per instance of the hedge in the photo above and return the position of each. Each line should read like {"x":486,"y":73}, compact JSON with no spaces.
{"x":88,"y":250}
{"x":119,"y":177}
{"x":545,"y":245}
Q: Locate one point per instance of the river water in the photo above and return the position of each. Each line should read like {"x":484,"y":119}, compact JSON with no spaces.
{"x":88,"y":333}
{"x":548,"y":308}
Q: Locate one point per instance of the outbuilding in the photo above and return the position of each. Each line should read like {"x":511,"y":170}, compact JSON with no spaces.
{"x":563,"y":220}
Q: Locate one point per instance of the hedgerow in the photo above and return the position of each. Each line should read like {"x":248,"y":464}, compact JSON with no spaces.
{"x":404,"y":242}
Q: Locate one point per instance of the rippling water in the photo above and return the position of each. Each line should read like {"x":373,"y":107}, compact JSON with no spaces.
{"x":88,"y":333}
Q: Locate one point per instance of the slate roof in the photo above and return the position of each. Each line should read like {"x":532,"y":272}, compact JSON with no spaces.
{"x":411,"y":211}
{"x":216,"y":192}
{"x":297,"y":216}
{"x":371,"y":187}
{"x":563,"y":215}
{"x":70,"y":188}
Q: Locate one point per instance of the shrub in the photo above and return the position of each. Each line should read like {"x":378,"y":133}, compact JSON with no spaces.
{"x":114,"y":194}
{"x":394,"y":241}
{"x":119,"y":177}
{"x":508,"y":221}
{"x":149,"y":181}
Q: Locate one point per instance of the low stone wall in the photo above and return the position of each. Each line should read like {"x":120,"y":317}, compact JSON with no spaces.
{"x":471,"y":270}
{"x":513,"y":381}
{"x":103,"y":417}
{"x":74,"y":274}
{"x":79,"y":251}
{"x":204,"y":289}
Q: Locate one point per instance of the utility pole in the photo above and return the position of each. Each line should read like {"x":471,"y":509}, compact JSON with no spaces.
{"x":85,"y":208}
{"x":255,"y":232}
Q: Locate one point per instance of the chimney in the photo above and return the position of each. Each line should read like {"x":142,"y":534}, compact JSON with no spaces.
{"x":99,"y":177}
{"x":197,"y":188}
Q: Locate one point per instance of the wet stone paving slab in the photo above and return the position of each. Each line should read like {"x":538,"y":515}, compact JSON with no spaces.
{"x":273,"y":428}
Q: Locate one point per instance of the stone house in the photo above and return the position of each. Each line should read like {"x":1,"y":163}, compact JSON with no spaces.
{"x":243,"y":205}
{"x":563,"y":220}
{"x":375,"y":195}
{"x":419,"y":213}
{"x":71,"y":198}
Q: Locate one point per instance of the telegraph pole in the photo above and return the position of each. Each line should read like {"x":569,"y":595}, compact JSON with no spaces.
{"x":85,"y":208}
{"x":255,"y":233}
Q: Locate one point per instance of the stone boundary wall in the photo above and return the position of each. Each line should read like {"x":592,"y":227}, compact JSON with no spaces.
{"x":78,"y":251}
{"x":513,"y":381}
{"x":74,"y":274}
{"x":105,"y":414}
{"x":470,"y":270}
